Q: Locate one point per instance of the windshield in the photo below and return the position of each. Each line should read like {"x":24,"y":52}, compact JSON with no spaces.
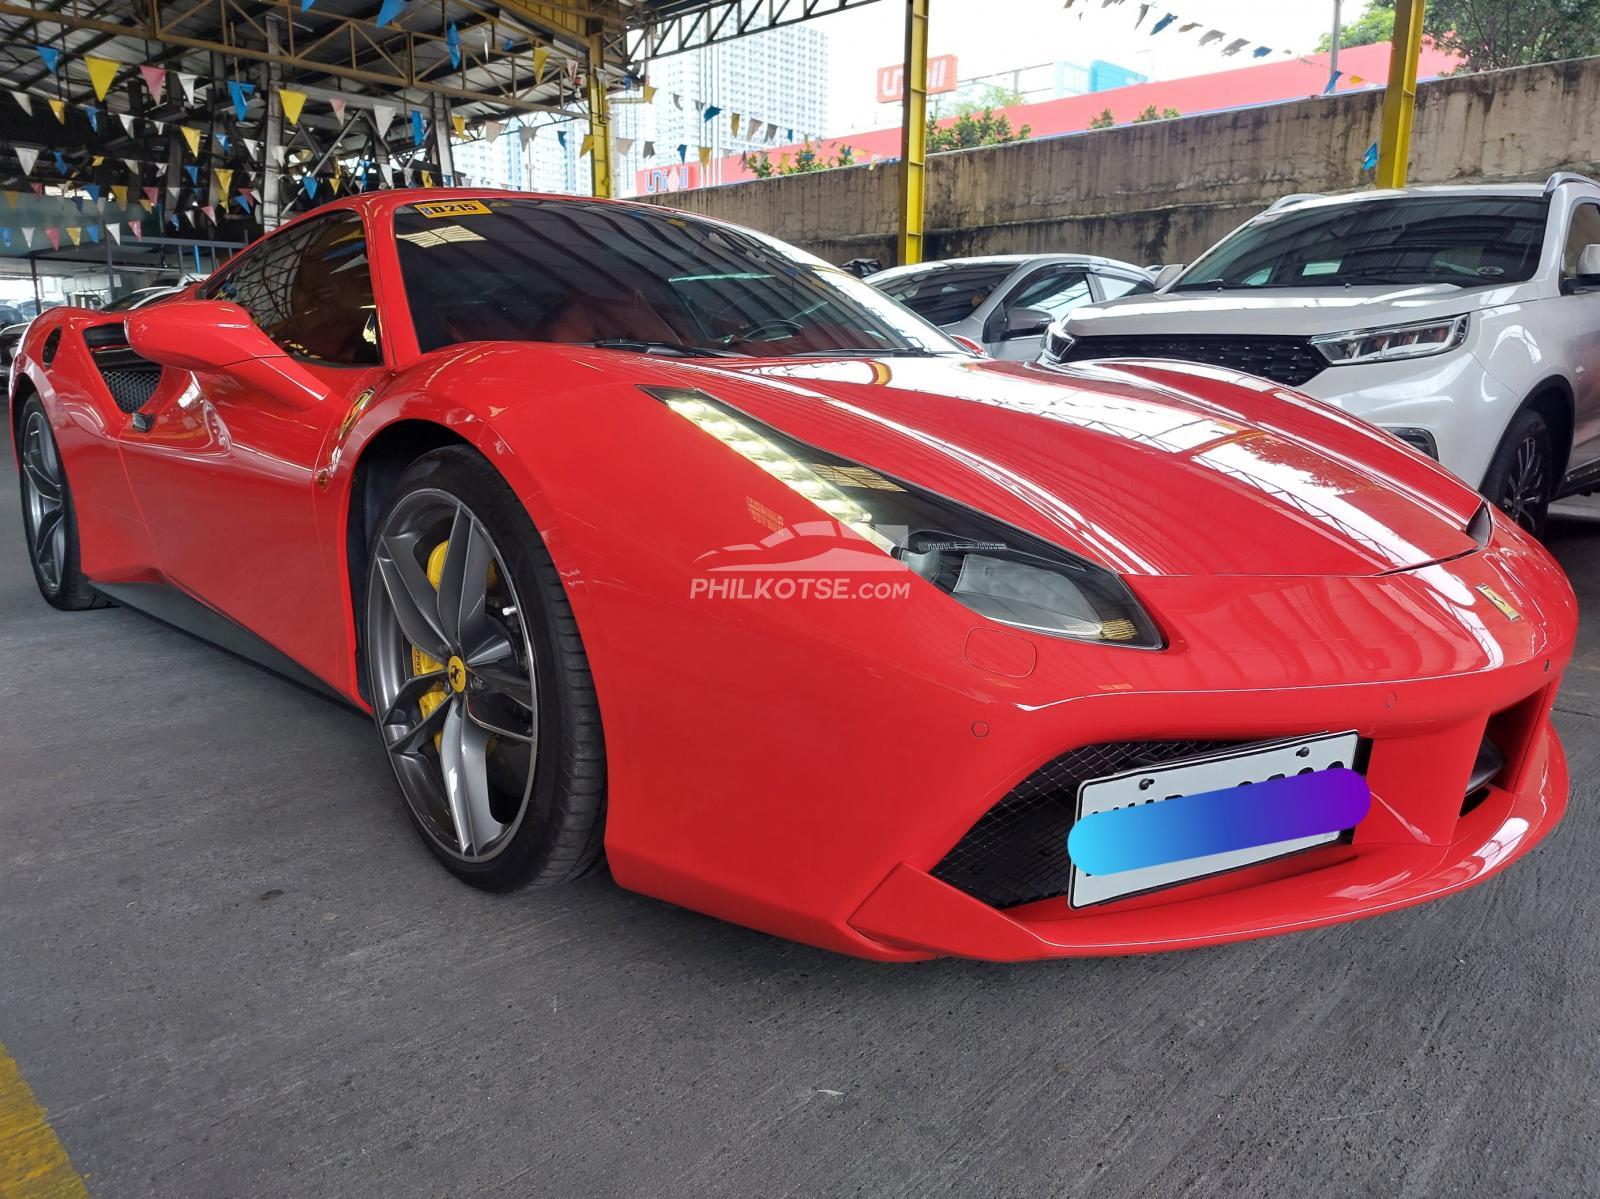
{"x":636,"y":278}
{"x":947,"y":294}
{"x":1471,"y":241}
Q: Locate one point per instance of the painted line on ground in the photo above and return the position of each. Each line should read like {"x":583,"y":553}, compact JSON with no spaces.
{"x":33,"y":1163}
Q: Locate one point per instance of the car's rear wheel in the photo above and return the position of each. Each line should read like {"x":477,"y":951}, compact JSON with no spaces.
{"x":48,"y":519}
{"x":479,"y":682}
{"x":1522,"y":477}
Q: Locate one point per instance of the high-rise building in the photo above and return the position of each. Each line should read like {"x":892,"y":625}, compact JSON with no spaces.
{"x":774,"y":82}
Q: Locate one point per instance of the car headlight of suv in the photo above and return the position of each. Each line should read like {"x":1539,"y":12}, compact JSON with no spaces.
{"x":996,"y":570}
{"x":1057,"y":341}
{"x":1394,"y":342}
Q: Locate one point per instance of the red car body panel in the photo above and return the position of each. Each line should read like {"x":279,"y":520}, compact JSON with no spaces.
{"x":802,"y":766}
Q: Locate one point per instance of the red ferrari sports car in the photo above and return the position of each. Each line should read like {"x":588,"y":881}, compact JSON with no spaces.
{"x":648,"y":539}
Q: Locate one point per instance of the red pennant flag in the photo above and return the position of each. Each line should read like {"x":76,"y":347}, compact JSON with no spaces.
{"x":55,"y":238}
{"x":38,"y":189}
{"x":211,"y":212}
{"x":138,"y":230}
{"x":155,"y":78}
{"x":151,"y":193}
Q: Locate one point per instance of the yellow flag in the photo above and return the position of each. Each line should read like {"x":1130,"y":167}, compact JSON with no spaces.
{"x":649,"y":94}
{"x":733,"y":124}
{"x":120,"y":191}
{"x":224,"y":177}
{"x":1356,"y":79}
{"x":97,"y":160}
{"x":192,"y":136}
{"x":460,"y":122}
{"x":75,"y":233}
{"x":11,"y":199}
{"x":427,"y":178}
{"x":292,"y":102}
{"x":102,"y":71}
{"x":541,"y":55}
{"x":59,"y":107}
{"x":705,"y":157}
{"x":588,"y":144}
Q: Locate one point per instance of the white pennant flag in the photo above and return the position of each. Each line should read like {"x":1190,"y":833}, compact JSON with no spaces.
{"x":624,"y":144}
{"x":492,"y":130}
{"x":27,"y":235}
{"x":127,"y":122}
{"x":253,"y":145}
{"x":25,"y":100}
{"x":526,"y":134}
{"x":161,"y":126}
{"x":382,"y":114}
{"x":116,"y":233}
{"x":278,"y":153}
{"x":132,"y":164}
{"x":187,"y":82}
{"x":27,"y":157}
{"x":338,"y":108}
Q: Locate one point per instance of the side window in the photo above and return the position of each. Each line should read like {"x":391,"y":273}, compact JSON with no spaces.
{"x":1583,"y":231}
{"x":1052,"y":291}
{"x":310,"y":290}
{"x":1114,"y":287}
{"x":948,"y":294}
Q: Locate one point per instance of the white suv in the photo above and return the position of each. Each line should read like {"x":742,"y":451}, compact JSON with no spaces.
{"x":1465,"y":320}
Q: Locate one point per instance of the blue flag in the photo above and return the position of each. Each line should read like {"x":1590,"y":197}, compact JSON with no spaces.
{"x":1370,"y":158}
{"x":93,"y":113}
{"x":416,"y":127}
{"x":193,"y":172}
{"x":310,"y":184}
{"x":1163,"y":23}
{"x":683,"y":153}
{"x":241,"y":96}
{"x":1261,"y":52}
{"x":711,"y":111}
{"x":94,"y":191}
{"x":61,"y":162}
{"x":390,"y":10}
{"x":51,"y":57}
{"x":561,"y":136}
{"x":452,"y":39}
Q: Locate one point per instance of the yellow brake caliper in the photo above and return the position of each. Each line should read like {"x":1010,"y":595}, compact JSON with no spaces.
{"x":422,"y":663}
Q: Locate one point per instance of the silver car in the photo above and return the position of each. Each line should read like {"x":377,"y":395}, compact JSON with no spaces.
{"x":1004,"y":303}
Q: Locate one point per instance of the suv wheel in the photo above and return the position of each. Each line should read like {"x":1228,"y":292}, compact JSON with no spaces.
{"x":1521,"y":479}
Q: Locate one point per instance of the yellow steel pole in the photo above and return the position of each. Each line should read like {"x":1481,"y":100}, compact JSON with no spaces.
{"x":914,"y":132}
{"x":1400,"y":101}
{"x":599,"y":118}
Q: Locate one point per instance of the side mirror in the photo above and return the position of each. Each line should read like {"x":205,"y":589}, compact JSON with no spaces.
{"x":1168,"y":273}
{"x":1587,"y":275}
{"x":1026,"y":322}
{"x":215,"y":337}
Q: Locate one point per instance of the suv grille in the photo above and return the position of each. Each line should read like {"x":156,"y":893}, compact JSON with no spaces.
{"x":1017,"y":852}
{"x":1291,"y":361}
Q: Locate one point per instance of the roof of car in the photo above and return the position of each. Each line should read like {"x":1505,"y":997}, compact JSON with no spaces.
{"x":1009,"y":260}
{"x":1532,"y":190}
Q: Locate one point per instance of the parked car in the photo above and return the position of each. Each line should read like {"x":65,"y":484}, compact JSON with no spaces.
{"x":640,"y":533}
{"x":10,"y":339}
{"x":1465,"y":320}
{"x":139,"y":297}
{"x":1004,"y":303}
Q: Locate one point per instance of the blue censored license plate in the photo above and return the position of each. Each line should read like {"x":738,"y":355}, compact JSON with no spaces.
{"x":1305,"y":786}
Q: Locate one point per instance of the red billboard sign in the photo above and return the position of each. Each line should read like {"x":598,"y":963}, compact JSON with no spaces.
{"x":941,"y":78}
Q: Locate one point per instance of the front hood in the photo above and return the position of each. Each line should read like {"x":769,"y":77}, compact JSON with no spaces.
{"x":1293,"y":312}
{"x":1147,"y":468}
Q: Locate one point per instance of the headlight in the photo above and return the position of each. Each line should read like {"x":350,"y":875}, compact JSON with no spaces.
{"x":998,"y":571}
{"x":1392,"y":343}
{"x":1056,"y":343}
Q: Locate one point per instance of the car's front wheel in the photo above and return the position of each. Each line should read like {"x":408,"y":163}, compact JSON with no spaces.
{"x":48,"y":518}
{"x":479,"y":681}
{"x":1522,"y":476}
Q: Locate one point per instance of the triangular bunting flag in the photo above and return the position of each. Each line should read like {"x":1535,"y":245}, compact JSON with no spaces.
{"x":102,"y":73}
{"x":76,"y":234}
{"x":137,"y":230}
{"x":427,"y":178}
{"x":389,"y":10}
{"x":54,"y":236}
{"x":460,"y":123}
{"x":11,"y":199}
{"x":561,"y":136}
{"x":541,"y":55}
{"x":211,"y":212}
{"x":27,"y":236}
{"x":222,"y":140}
{"x":587,"y":146}
{"x":242,"y":200}
{"x":649,"y":94}
{"x":116,"y":234}
{"x":240,"y":92}
{"x":127,"y":122}
{"x":252,"y":147}
{"x":525,"y":135}
{"x":292,"y":102}
{"x":705,"y":157}
{"x":492,"y":130}
{"x":155,"y":78}
{"x":133,"y":166}
{"x":193,"y":172}
{"x":624,"y":144}
{"x":152,"y":194}
{"x":59,"y":107}
{"x":338,"y":108}
{"x":733,"y":124}
{"x":51,"y":57}
{"x":452,"y":39}
{"x":224,"y":178}
{"x":93,"y":113}
{"x":192,"y":136}
{"x":24,"y":101}
{"x":27,"y":155}
{"x":187,"y":81}
{"x":649,"y":150}
{"x":309,"y":182}
{"x":683,"y":152}
{"x":119,"y":192}
{"x":416,"y":127}
{"x":61,"y":162}
{"x":94,"y":233}
{"x":382,"y":115}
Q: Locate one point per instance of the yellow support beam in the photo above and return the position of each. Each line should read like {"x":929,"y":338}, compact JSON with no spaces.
{"x":599,"y":117}
{"x":914,"y":133}
{"x":1400,"y":101}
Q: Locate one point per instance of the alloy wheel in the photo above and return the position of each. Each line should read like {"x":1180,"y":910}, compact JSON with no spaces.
{"x":453,"y":674}
{"x":44,"y":500}
{"x":1526,"y":492}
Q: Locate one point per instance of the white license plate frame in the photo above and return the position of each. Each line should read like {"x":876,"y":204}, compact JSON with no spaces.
{"x":1190,"y":776}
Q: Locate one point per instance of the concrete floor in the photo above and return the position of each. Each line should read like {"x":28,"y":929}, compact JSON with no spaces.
{"x":227,"y":967}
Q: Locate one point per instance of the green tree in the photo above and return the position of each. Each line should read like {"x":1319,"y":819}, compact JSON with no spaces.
{"x":1150,"y":114}
{"x":1104,"y":121}
{"x":1374,"y":25}
{"x":805,"y":160}
{"x":976,"y":100}
{"x":985,"y":128}
{"x":1490,"y":34}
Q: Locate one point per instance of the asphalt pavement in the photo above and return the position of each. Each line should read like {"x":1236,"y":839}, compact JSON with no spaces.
{"x":228,"y":968}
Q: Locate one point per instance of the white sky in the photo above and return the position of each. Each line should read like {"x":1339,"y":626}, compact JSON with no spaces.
{"x":989,"y":36}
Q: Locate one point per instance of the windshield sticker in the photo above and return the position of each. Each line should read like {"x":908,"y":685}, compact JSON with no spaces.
{"x":434,"y":209}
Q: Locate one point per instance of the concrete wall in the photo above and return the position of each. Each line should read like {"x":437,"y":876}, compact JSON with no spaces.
{"x":1164,"y":191}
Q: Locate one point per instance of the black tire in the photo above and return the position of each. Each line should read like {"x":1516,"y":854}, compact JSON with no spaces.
{"x":1521,"y":477}
{"x":557,"y":834}
{"x":47,"y":508}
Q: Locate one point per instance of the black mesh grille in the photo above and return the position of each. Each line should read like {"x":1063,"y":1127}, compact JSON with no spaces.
{"x":1017,"y":852}
{"x":131,"y":386}
{"x":1288,"y":360}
